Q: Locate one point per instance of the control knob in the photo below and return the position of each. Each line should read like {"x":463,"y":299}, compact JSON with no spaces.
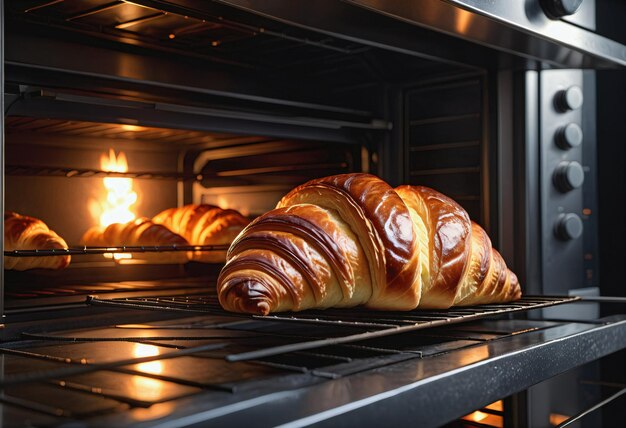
{"x":568,"y":176}
{"x":568,"y":226}
{"x":569,"y":136}
{"x":556,"y":9}
{"x":569,"y":99}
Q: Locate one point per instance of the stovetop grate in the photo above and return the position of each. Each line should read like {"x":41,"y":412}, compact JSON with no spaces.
{"x":342,"y":325}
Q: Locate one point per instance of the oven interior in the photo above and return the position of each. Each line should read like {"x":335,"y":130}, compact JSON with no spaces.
{"x":233,"y":109}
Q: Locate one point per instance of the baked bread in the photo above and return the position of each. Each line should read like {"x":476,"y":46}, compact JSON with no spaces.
{"x":139,"y":232}
{"x":204,"y":224}
{"x":28,"y":233}
{"x":350,"y":240}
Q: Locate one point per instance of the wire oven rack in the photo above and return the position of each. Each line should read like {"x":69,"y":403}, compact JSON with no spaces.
{"x":83,"y":250}
{"x":342,"y":325}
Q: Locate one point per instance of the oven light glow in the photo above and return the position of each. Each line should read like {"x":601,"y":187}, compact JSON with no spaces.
{"x":120,"y":195}
{"x":120,"y":256}
{"x":477,"y":416}
{"x":496,"y":405}
{"x":557,"y":419}
{"x":133,"y":128}
{"x":153,"y":367}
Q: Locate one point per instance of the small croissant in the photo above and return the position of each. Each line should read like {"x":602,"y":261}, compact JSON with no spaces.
{"x":139,"y":232}
{"x":203,"y":224}
{"x":28,"y":233}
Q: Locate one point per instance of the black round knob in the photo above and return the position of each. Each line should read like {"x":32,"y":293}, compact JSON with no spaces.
{"x":568,"y":176}
{"x":569,"y":136}
{"x":569,"y":99}
{"x":568,"y":226}
{"x":556,"y":9}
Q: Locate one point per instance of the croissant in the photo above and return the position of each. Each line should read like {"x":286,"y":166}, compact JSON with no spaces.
{"x":352,"y":239}
{"x":29,"y":233}
{"x":204,"y":225}
{"x":139,"y":232}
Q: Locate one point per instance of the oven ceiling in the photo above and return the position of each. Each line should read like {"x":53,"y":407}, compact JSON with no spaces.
{"x":219,"y":52}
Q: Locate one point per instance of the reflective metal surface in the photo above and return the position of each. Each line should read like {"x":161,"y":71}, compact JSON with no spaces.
{"x":174,"y":373}
{"x":519,"y":27}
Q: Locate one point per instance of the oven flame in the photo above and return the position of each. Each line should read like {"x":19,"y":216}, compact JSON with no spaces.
{"x":120,"y":195}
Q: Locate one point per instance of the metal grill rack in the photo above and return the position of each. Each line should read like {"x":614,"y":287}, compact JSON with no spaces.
{"x":52,"y":171}
{"x":129,"y":371}
{"x":84,"y":250}
{"x":342,"y":326}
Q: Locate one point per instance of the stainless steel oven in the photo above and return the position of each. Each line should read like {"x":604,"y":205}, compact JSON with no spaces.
{"x":515,"y":109}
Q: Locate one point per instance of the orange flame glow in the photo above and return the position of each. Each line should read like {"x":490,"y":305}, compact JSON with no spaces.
{"x":120,"y":195}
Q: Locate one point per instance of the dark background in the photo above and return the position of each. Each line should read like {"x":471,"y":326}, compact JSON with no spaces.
{"x":611,"y":122}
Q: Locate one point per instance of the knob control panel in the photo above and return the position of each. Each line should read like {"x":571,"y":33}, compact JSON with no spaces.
{"x":567,"y":136}
{"x":568,"y":176}
{"x":568,"y":226}
{"x":569,"y":99}
{"x":556,"y":9}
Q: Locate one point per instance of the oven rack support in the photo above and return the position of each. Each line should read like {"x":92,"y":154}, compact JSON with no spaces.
{"x":85,"y":250}
{"x":55,"y":171}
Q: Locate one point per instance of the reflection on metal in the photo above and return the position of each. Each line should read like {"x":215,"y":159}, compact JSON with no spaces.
{"x":557,"y":419}
{"x":41,"y":6}
{"x":156,"y":411}
{"x":463,"y":21}
{"x":371,"y":380}
{"x":75,"y":251}
{"x":477,"y":354}
{"x":519,"y":27}
{"x":579,"y":416}
{"x":152,"y":367}
{"x":349,"y":323}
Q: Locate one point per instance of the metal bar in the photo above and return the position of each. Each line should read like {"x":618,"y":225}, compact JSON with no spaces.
{"x":41,"y":6}
{"x":53,"y":171}
{"x":37,"y":407}
{"x":284,"y":168}
{"x":442,"y":171}
{"x":592,"y":409}
{"x":2,"y":159}
{"x":445,"y":146}
{"x":95,"y":10}
{"x":125,"y":25}
{"x":507,"y":26}
{"x":88,"y":368}
{"x":369,"y":335}
{"x":604,"y":299}
{"x":442,"y":119}
{"x":113,"y":249}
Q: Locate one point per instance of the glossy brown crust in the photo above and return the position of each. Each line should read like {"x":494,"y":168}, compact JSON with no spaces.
{"x":29,"y":233}
{"x":344,"y":240}
{"x":141,"y":231}
{"x":299,"y":253}
{"x":450,"y":233}
{"x":477,"y":268}
{"x":390,"y":222}
{"x":300,"y":221}
{"x":479,"y":235}
{"x":204,"y":224}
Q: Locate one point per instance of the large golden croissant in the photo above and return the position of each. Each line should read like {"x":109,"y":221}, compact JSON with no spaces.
{"x":139,"y":232}
{"x":29,"y":233}
{"x":204,"y":225}
{"x":350,"y":240}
